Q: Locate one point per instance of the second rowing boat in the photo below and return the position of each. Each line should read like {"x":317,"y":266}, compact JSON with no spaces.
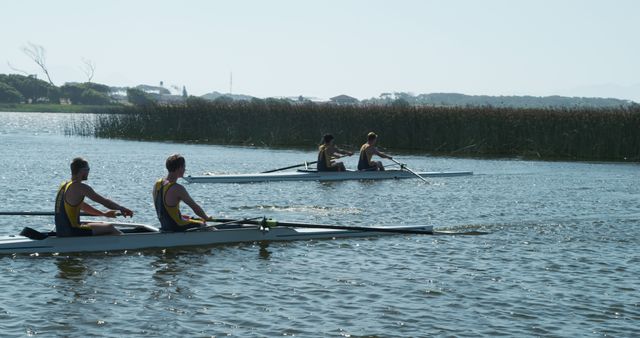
{"x":313,"y":175}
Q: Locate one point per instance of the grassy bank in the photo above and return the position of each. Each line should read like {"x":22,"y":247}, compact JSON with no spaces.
{"x":572,"y":134}
{"x":55,"y":108}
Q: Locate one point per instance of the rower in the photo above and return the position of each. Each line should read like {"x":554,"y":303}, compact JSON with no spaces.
{"x":366,"y":153}
{"x":327,"y":152}
{"x":167,"y":195}
{"x":70,"y":200}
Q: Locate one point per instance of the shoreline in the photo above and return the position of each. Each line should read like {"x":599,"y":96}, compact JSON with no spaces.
{"x":56,"y":108}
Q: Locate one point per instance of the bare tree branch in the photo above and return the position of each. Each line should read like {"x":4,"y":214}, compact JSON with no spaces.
{"x":37,"y":53}
{"x":17,"y":70}
{"x":89,"y":68}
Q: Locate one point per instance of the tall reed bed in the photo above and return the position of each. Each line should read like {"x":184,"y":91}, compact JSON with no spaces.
{"x":577,"y":134}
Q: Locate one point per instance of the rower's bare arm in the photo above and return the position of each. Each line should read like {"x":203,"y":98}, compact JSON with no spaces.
{"x":186,"y":198}
{"x":344,"y":152}
{"x":91,"y":210}
{"x":381,"y":154}
{"x":94,"y":196}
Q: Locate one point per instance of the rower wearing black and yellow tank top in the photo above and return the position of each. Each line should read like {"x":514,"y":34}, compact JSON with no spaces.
{"x":70,"y":202}
{"x":167,"y":195}
{"x":327,"y":152}
{"x":67,"y":216}
{"x":169,"y":216}
{"x":367,"y":151}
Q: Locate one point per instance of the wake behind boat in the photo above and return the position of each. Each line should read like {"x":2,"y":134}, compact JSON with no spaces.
{"x":314,"y":175}
{"x":141,"y":236}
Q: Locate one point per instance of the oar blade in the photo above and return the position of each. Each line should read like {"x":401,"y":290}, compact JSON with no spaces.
{"x":461,"y":233}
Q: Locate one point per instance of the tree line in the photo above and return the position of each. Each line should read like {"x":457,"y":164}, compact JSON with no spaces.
{"x":16,"y":88}
{"x":527,"y":101}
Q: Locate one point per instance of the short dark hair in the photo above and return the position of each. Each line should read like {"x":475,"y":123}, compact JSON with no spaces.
{"x":327,"y":138}
{"x":372,"y":136}
{"x":77,"y":164}
{"x":174,"y":162}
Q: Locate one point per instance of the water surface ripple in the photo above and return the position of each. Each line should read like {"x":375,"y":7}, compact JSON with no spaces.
{"x":561,"y":260}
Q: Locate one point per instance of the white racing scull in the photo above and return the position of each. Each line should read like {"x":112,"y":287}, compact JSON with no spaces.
{"x":313,"y":175}
{"x":141,"y":236}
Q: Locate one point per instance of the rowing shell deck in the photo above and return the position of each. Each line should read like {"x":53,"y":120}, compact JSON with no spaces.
{"x":147,"y":237}
{"x":312,"y":175}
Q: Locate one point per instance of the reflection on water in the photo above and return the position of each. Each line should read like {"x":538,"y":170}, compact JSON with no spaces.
{"x":264,"y":252}
{"x":170,"y":264}
{"x":71,"y":268}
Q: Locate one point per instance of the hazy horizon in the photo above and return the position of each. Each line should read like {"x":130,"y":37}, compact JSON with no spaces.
{"x":324,"y":49}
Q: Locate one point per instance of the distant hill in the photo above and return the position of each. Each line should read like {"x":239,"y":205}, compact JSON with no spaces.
{"x":631,"y":92}
{"x":455,"y":99}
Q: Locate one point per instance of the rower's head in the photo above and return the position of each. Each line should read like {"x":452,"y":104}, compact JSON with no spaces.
{"x":80,"y":168}
{"x":175,"y":164}
{"x":327,"y":138}
{"x":372,"y":137}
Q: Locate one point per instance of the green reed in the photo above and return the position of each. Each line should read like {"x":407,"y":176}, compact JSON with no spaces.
{"x":554,"y":133}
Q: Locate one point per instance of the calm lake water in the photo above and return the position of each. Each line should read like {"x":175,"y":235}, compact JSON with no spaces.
{"x":562,"y":257}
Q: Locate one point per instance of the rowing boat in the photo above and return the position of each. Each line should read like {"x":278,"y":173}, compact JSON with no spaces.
{"x":313,"y":175}
{"x":142,"y":236}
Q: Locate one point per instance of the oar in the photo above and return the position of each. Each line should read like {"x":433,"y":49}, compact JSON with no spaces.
{"x":244,"y":220}
{"x":40,"y":213}
{"x":271,"y":223}
{"x":26,"y":213}
{"x":403,"y":166}
{"x":289,"y":167}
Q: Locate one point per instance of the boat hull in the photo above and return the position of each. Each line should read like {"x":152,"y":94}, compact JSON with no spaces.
{"x":319,"y":176}
{"x":149,"y":240}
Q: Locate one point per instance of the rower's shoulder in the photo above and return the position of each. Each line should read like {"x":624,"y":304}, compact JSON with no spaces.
{"x":175,"y":186}
{"x":369,"y":147}
{"x":80,"y":188}
{"x":79,"y":185}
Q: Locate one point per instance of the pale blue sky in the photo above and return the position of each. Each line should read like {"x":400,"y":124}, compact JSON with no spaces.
{"x":327,"y":48}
